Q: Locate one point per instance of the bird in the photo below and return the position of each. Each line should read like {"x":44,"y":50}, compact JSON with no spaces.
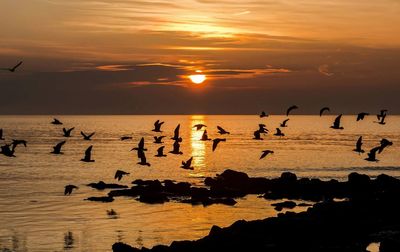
{"x":284,"y":123}
{"x":372,"y":154}
{"x":262,"y":129}
{"x":176,"y":147}
{"x":382,"y":113}
{"x":336,"y":123}
{"x":1,"y":134}
{"x":87,"y":137}
{"x":56,"y":122}
{"x":15,"y":143}
{"x":358,"y":146}
{"x":158,"y":139}
{"x":216,"y":141}
{"x":157,"y":126}
{"x":13,"y":68}
{"x":88,"y":155}
{"x":67,"y":132}
{"x":199,"y":126}
{"x":142,"y":157}
{"x":381,"y":118}
{"x":360,"y":116}
{"x":123,"y":138}
{"x":384,"y":143}
{"x":222,"y":131}
{"x":279,"y":132}
{"x":323,"y":110}
{"x":257,"y":135}
{"x":290,"y":109}
{"x":140,"y":146}
{"x":112,"y":212}
{"x":69,"y":188}
{"x":57,"y":148}
{"x":204,"y":137}
{"x":176,"y":134}
{"x":263,"y":114}
{"x":160,"y":152}
{"x":187,"y":165}
{"x":119,"y":174}
{"x":7,"y":151}
{"x":265,"y":153}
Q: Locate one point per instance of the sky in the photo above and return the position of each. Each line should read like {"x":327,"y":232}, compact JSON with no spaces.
{"x":135,"y":56}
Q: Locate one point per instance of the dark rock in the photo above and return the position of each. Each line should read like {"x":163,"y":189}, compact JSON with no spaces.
{"x":101,"y":185}
{"x":153,"y":197}
{"x":286,"y":204}
{"x":101,"y":199}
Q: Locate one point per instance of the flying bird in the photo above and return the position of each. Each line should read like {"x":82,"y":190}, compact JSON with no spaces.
{"x":381,"y":118}
{"x":361,"y":116}
{"x":284,"y":123}
{"x":13,"y":68}
{"x":262,"y":129}
{"x":176,"y":148}
{"x":87,"y":137}
{"x":123,"y":138}
{"x":157,"y":126}
{"x":67,"y":132}
{"x":140,"y":146}
{"x":160,"y":152}
{"x":384,"y":143}
{"x":1,"y":134}
{"x":382,"y":113}
{"x":57,"y":148}
{"x":56,"y":122}
{"x":372,"y":154}
{"x":15,"y":143}
{"x":358,"y":148}
{"x":323,"y":110}
{"x":263,"y":114}
{"x":119,"y":174}
{"x":187,"y":165}
{"x":204,"y":137}
{"x":176,"y":134}
{"x":158,"y":139}
{"x":257,"y":135}
{"x":142,"y":157}
{"x":88,"y":155}
{"x":336,"y":123}
{"x":7,"y":151}
{"x":279,"y":132}
{"x":216,"y":141}
{"x":290,"y":109}
{"x":222,"y":131}
{"x":199,"y":126}
{"x":265,"y":153}
{"x":69,"y":188}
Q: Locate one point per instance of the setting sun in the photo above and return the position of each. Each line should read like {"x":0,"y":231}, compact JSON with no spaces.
{"x":197,"y":78}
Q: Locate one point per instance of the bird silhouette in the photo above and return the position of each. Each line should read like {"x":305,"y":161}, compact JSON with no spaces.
{"x":187,"y":165}
{"x":69,"y":188}
{"x":358,"y":148}
{"x":140,"y":146}
{"x":112,"y":212}
{"x":222,"y":131}
{"x":216,"y":141}
{"x":158,"y":139}
{"x":1,"y":134}
{"x":284,"y":123}
{"x":56,"y":122}
{"x":381,"y":118}
{"x":87,"y":137}
{"x":290,"y":109}
{"x":204,"y":137}
{"x":257,"y":135}
{"x":361,"y":116}
{"x":265,"y":153}
{"x":262,"y":129}
{"x":279,"y":132}
{"x":323,"y":110}
{"x":123,"y":138}
{"x":12,"y":69}
{"x":384,"y":143}
{"x":157,"y":126}
{"x":336,"y":123}
{"x":176,"y":148}
{"x":199,"y":126}
{"x":7,"y":151}
{"x":67,"y":132}
{"x":57,"y":148}
{"x":382,"y":113}
{"x":176,"y":134}
{"x":160,"y":152}
{"x":119,"y":174}
{"x":15,"y":143}
{"x":88,"y":155}
{"x":263,"y":114}
{"x":372,"y":154}
{"x":142,"y":157}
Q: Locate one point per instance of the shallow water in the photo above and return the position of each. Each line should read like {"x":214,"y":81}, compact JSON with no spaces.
{"x":35,"y":216}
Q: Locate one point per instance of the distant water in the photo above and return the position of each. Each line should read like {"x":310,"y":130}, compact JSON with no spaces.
{"x":35,"y":216}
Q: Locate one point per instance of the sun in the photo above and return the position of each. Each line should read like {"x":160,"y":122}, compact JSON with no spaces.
{"x":197,"y":78}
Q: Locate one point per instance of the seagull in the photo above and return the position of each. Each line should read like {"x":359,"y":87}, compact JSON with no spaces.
{"x":69,"y":188}
{"x":13,"y":68}
{"x":176,"y":134}
{"x":158,"y":139}
{"x":142,"y":157}
{"x":262,"y":129}
{"x":279,"y":132}
{"x":222,"y":131}
{"x":257,"y":135}
{"x":323,"y":110}
{"x":112,"y":212}
{"x":15,"y":143}
{"x":263,"y":114}
{"x":140,"y":146}
{"x":199,"y":126}
{"x":216,"y":141}
{"x":67,"y":132}
{"x":87,"y":137}
{"x":57,"y":148}
{"x":123,"y":138}
{"x":1,"y":134}
{"x":372,"y":154}
{"x":88,"y":154}
{"x":381,"y":118}
{"x":187,"y":165}
{"x":175,"y":149}
{"x":384,"y":143}
{"x":265,"y":153}
{"x":382,"y":113}
{"x":157,"y":126}
{"x":160,"y":152}
{"x":361,"y":116}
{"x":119,"y":174}
{"x":336,"y":123}
{"x":7,"y":151}
{"x":56,"y":122}
{"x":358,"y":146}
{"x":283,"y":124}
{"x":290,"y":109}
{"x":204,"y":137}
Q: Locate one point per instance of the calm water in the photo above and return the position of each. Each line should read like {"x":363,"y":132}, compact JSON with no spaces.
{"x":35,"y":216}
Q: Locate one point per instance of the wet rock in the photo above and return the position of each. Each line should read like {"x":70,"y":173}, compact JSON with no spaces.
{"x":153,"y":197}
{"x":286,"y":204}
{"x":101,"y":185}
{"x":101,"y":199}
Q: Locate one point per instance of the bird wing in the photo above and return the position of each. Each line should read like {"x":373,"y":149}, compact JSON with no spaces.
{"x":141,"y":143}
{"x":323,"y":110}
{"x":278,"y":131}
{"x":189,"y":162}
{"x":359,"y":142}
{"x":264,"y":154}
{"x":17,"y":65}
{"x":256,"y":134}
{"x":290,"y":109}
{"x":176,"y":131}
{"x":117,"y":174}
{"x":58,"y":146}
{"x":336,"y":123}
{"x":215,"y":143}
{"x":156,"y":123}
{"x":90,"y":135}
{"x":88,"y":152}
{"x":84,"y":135}
{"x":220,"y":129}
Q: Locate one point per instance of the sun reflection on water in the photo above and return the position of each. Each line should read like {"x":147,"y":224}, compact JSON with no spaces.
{"x":198,"y":147}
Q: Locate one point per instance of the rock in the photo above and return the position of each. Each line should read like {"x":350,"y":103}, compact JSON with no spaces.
{"x":122,"y":247}
{"x":153,"y":197}
{"x":288,"y":177}
{"x":286,"y":204}
{"x":101,"y":185}
{"x":101,"y":199}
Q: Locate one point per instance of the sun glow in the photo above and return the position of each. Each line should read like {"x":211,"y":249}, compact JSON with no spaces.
{"x":197,"y":78}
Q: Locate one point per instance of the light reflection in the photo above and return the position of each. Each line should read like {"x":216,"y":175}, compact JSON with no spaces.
{"x":198,"y":148}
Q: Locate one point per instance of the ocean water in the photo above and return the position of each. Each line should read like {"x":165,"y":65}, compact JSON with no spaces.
{"x":36,"y":216}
